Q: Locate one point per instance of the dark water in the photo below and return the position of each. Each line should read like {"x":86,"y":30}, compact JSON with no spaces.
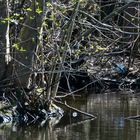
{"x":111,"y":110}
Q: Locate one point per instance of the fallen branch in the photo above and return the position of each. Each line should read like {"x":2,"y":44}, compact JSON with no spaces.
{"x":75,"y":109}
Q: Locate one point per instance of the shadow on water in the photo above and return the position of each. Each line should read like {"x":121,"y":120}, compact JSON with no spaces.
{"x":111,"y":110}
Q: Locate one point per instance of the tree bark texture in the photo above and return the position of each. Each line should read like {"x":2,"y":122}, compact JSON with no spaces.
{"x":3,"y":28}
{"x":27,"y":44}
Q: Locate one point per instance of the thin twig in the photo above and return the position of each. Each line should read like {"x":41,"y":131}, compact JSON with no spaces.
{"x":77,"y":89}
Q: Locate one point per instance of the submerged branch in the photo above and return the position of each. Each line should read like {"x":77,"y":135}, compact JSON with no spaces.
{"x":75,"y":109}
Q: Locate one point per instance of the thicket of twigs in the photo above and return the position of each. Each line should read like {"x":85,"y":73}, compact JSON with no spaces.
{"x":49,"y":40}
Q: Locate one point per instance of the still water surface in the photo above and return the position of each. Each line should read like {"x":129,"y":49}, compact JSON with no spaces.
{"x":111,"y":110}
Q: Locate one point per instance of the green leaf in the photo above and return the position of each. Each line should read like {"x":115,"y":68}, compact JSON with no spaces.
{"x":48,"y":4}
{"x":2,"y":21}
{"x":32,"y":17}
{"x":38,"y":11}
{"x":52,"y":17}
{"x":7,"y":19}
{"x":17,"y":47}
{"x":29,"y":9}
{"x":16,"y":14}
{"x":22,"y":50}
{"x":39,"y":90}
{"x":21,"y":18}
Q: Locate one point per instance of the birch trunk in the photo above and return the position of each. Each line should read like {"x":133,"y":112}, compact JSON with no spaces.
{"x":3,"y":28}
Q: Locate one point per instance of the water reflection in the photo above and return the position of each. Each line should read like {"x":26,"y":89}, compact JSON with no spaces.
{"x":110,"y":109}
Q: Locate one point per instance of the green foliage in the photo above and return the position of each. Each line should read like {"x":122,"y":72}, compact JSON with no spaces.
{"x":38,"y":11}
{"x":18,"y":47}
{"x":28,"y":9}
{"x":2,"y":21}
{"x":49,"y":5}
{"x":7,"y":19}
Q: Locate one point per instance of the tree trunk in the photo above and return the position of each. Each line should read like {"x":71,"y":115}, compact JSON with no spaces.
{"x":3,"y":28}
{"x":27,"y":45}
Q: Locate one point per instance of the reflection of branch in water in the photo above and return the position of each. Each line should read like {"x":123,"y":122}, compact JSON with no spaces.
{"x":80,"y":122}
{"x":75,"y":109}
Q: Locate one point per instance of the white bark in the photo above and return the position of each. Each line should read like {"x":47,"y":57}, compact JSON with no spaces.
{"x":7,"y":55}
